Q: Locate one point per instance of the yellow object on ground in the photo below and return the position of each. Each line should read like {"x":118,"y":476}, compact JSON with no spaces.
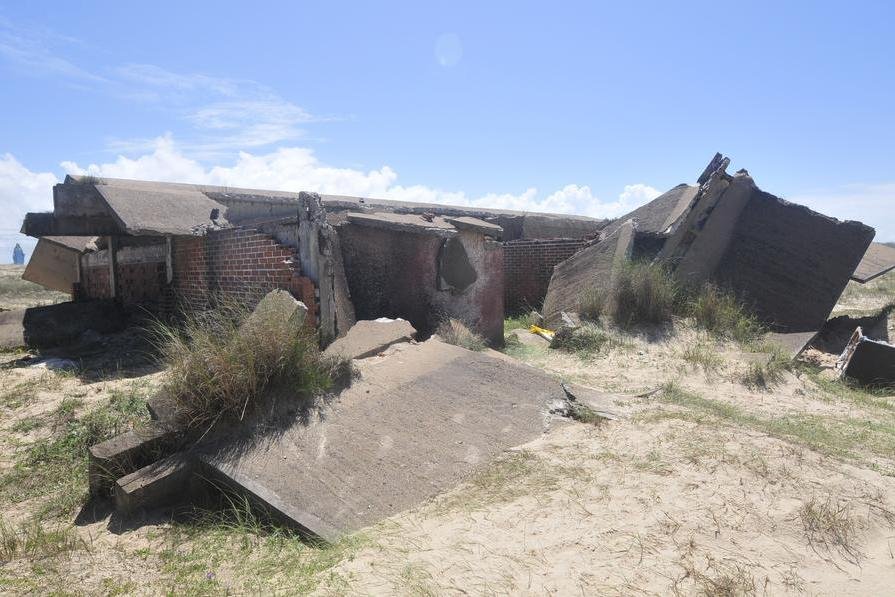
{"x":543,"y":333}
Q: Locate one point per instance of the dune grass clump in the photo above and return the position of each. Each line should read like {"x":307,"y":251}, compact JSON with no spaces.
{"x":723,"y":315}
{"x":224,"y":359}
{"x":643,"y":293}
{"x":454,"y":331}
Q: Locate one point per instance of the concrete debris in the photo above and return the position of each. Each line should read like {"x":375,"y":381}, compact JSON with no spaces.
{"x":368,"y":338}
{"x":527,"y":338}
{"x":281,"y":305}
{"x":591,"y":269}
{"x":867,"y":361}
{"x":58,"y":325}
{"x":877,"y":261}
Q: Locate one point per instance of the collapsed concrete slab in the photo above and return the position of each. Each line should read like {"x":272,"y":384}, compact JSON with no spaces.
{"x":591,"y":269}
{"x":659,"y":216}
{"x":60,"y":324}
{"x":788,"y":263}
{"x":418,"y":422}
{"x":868,"y":361}
{"x":877,"y":261}
{"x":368,"y":338}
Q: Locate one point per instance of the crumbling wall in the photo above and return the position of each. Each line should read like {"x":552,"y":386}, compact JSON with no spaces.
{"x":395,"y":273}
{"x":241,"y":264}
{"x":528,"y":265}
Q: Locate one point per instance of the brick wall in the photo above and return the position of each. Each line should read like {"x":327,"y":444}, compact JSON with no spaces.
{"x":528,"y":265}
{"x":241,"y":264}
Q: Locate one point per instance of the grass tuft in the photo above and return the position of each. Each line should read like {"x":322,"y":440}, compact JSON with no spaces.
{"x":642,"y":293}
{"x":453,"y":331}
{"x":586,"y":340}
{"x":222,"y":361}
{"x":722,"y":314}
{"x":36,"y":541}
{"x":830,"y":525}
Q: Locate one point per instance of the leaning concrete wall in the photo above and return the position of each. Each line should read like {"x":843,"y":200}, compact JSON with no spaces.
{"x":528,"y":265}
{"x":53,"y":266}
{"x":395,"y":273}
{"x":240,"y":264}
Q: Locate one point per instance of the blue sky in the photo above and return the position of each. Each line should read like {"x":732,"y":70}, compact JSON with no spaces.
{"x":580,"y":107}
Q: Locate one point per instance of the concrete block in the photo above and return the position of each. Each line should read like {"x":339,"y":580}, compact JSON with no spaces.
{"x":162,"y":483}
{"x":368,"y":338}
{"x":867,"y":361}
{"x":126,"y":453}
{"x":877,"y":261}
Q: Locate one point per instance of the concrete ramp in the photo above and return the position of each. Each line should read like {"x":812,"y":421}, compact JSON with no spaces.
{"x":419,"y":420}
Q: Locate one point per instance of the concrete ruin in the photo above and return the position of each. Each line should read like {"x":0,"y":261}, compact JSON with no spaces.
{"x":867,"y":361}
{"x":158,"y":246}
{"x":418,"y":419}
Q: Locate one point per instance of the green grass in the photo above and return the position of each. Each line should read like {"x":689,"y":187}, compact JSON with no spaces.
{"x":55,"y":469}
{"x":517,"y":322}
{"x":647,"y":293}
{"x":703,"y":356}
{"x":239,"y":543}
{"x":587,"y":340}
{"x":835,"y":436}
{"x":35,"y":540}
{"x":25,"y":391}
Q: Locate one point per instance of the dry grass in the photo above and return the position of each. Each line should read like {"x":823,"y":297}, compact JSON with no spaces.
{"x":830,"y":525}
{"x":16,"y":293}
{"x":454,"y":331}
{"x":722,"y":314}
{"x":36,"y":541}
{"x":642,"y":293}
{"x":221,"y":362}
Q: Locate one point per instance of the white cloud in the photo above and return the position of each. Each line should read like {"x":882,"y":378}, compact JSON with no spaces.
{"x":21,"y":191}
{"x":297,"y":168}
{"x":873,"y":204}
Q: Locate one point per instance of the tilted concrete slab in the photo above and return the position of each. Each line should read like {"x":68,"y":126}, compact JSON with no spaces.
{"x":418,"y":422}
{"x":591,"y":268}
{"x":468,"y":223}
{"x":12,"y":329}
{"x":367,"y":338}
{"x":660,"y":215}
{"x":788,"y":263}
{"x":413,"y":224}
{"x":877,"y":261}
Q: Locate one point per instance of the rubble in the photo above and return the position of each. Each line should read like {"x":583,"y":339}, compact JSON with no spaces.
{"x":869,"y":362}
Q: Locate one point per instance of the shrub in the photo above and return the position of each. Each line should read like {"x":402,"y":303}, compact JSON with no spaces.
{"x":220,"y":367}
{"x":592,"y":304}
{"x":643,"y":293}
{"x":584,"y":340}
{"x":456,"y":332}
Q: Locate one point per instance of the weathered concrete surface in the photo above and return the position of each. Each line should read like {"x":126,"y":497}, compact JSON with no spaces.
{"x":279,"y":305}
{"x":420,"y":420}
{"x":659,"y":216}
{"x":54,"y":262}
{"x":877,"y":261}
{"x":368,"y":338}
{"x":57,"y":325}
{"x":412,"y":224}
{"x":394,"y":274}
{"x":526,"y":338}
{"x":156,"y":213}
{"x":838,"y":331}
{"x":867,"y":361}
{"x":788,"y":263}
{"x":162,"y":483}
{"x":125,"y":453}
{"x":592,"y":268}
{"x":12,"y":329}
{"x":793,"y":343}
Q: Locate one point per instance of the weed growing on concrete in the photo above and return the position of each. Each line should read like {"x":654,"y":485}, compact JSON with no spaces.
{"x":219,"y":368}
{"x":456,"y":332}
